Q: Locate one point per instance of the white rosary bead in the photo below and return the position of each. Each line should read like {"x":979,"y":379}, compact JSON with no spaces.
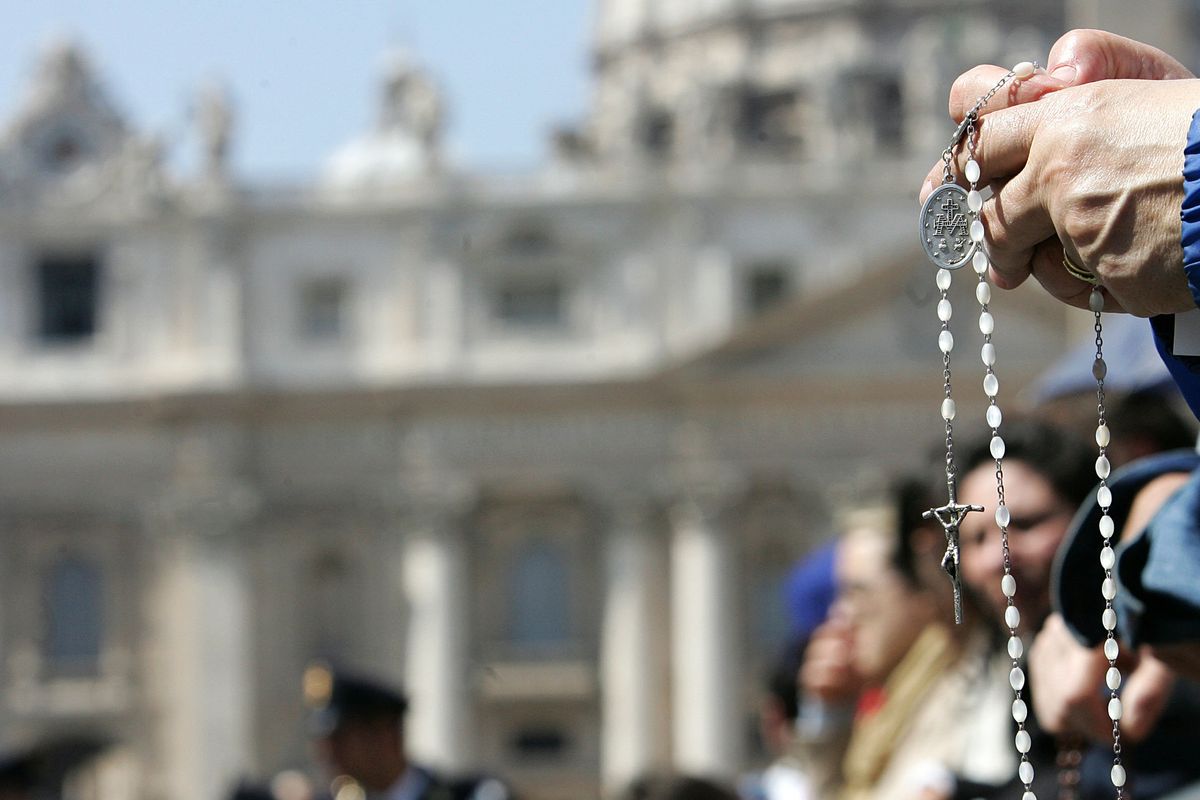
{"x":1029,"y":795}
{"x":1015,"y":647}
{"x":1096,"y":301}
{"x":996,"y":447}
{"x":993,"y":416}
{"x":1108,"y":557}
{"x":945,"y":341}
{"x":1016,"y":678}
{"x":1020,"y":711}
{"x":1099,"y":369}
{"x":986,"y":323}
{"x":1108,"y":619}
{"x":991,"y":385}
{"x":1114,"y":709}
{"x":948,"y":409}
{"x":1103,"y":468}
{"x":1025,"y":773}
{"x":944,"y":310}
{"x":974,"y":200}
{"x":979,"y":261}
{"x":983,"y":293}
{"x":1113,"y":678}
{"x":1008,"y":585}
{"x":976,"y":231}
{"x":1002,"y":516}
{"x":1107,"y":526}
{"x":1104,"y":498}
{"x":1103,"y":437}
{"x":1012,"y":617}
{"x":972,"y":171}
{"x":1023,"y":742}
{"x":943,"y":279}
{"x":1023,"y":70}
{"x":1118,"y":775}
{"x":987,"y":353}
{"x":1108,"y":588}
{"x":1111,"y":649}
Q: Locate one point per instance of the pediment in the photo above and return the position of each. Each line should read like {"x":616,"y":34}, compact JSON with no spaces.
{"x":67,"y":144}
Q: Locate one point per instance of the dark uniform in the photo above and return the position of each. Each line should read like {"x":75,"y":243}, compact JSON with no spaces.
{"x":336,"y":698}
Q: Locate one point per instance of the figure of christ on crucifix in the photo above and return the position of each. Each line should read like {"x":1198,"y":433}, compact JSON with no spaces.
{"x":950,"y":516}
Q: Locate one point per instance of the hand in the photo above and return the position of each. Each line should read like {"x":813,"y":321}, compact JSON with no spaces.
{"x":1078,"y":57}
{"x":1065,"y":679}
{"x":1097,"y":168}
{"x":828,"y":671}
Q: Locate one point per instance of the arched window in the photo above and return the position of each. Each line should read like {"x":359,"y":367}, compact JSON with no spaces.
{"x":73,"y":597}
{"x":540,"y":594}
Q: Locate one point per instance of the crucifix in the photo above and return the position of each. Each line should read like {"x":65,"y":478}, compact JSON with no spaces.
{"x":950,"y":516}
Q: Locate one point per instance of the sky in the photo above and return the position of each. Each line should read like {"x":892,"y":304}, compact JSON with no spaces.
{"x":304,"y":74}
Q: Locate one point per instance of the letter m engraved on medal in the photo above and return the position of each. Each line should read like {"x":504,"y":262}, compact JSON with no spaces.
{"x":951,"y":222}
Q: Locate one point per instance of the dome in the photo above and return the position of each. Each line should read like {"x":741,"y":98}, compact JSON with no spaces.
{"x":406,"y":139}
{"x":378,"y":158}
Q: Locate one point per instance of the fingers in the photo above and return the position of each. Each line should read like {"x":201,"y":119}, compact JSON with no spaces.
{"x":1068,"y":673}
{"x":974,"y":84}
{"x":1048,"y":270}
{"x":1085,"y":56}
{"x":1002,"y":148}
{"x":1079,"y":57}
{"x":1145,"y":696}
{"x":827,"y":671}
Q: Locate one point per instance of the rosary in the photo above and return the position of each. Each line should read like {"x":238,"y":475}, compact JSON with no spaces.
{"x":953,"y":234}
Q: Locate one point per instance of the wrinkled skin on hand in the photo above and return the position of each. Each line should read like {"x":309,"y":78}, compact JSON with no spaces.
{"x":1086,"y":158}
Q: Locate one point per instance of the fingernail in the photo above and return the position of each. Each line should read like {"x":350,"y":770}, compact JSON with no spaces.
{"x":1064,"y":73}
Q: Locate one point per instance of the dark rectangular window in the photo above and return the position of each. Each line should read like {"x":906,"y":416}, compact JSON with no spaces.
{"x":73,"y":599}
{"x":766,"y":285}
{"x":68,"y":294}
{"x":323,"y":309}
{"x":531,"y":302}
{"x":771,"y":122}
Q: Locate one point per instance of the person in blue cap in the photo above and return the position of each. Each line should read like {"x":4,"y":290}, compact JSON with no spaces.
{"x":358,"y":723}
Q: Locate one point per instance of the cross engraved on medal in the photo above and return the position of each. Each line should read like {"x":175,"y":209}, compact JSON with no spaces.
{"x":950,"y":516}
{"x":946,"y":227}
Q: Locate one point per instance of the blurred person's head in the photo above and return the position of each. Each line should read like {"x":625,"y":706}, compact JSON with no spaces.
{"x":678,"y":787}
{"x":1048,"y":472}
{"x":880,"y":597}
{"x":358,"y":724}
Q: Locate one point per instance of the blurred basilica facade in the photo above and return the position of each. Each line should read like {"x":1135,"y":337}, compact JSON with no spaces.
{"x":542,"y":447}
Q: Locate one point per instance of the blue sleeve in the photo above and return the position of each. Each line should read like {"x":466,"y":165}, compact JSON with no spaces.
{"x":1186,"y":369}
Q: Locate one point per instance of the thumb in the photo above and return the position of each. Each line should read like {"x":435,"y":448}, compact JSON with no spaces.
{"x":1084,"y":56}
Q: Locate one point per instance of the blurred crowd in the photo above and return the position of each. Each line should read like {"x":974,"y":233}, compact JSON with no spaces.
{"x":880,"y":695}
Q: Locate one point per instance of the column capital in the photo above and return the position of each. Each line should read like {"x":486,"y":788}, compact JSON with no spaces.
{"x":432,"y":498}
{"x":625,"y":502}
{"x":698,"y":482}
{"x":204,"y":497}
{"x":215,"y":515}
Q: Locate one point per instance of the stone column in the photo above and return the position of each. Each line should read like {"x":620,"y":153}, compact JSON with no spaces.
{"x":201,"y":614}
{"x":633,"y":668}
{"x":707,"y":727}
{"x":437,"y":589}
